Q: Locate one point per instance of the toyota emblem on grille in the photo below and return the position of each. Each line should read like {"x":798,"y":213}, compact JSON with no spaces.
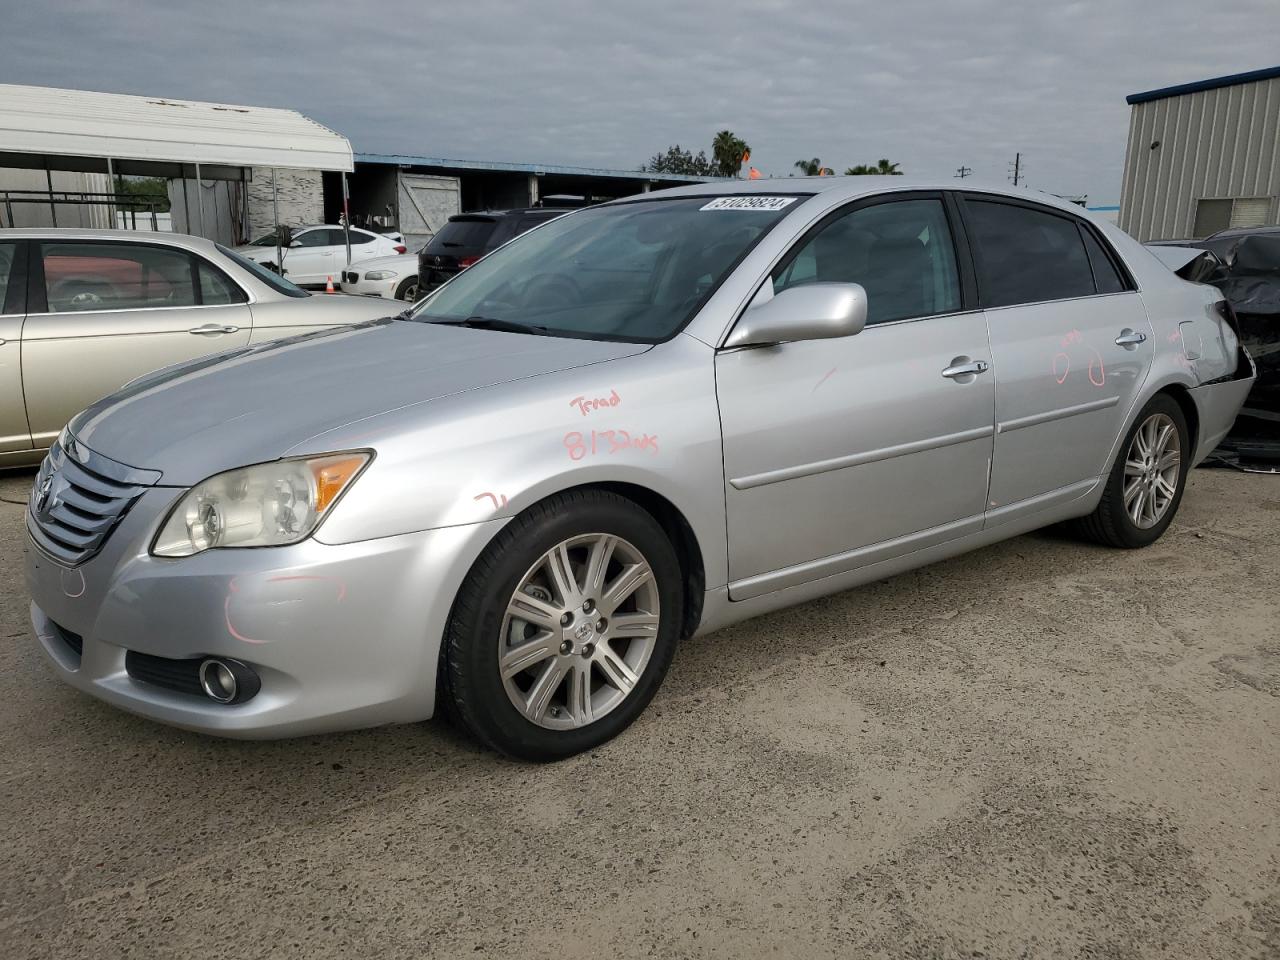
{"x":46,"y":499}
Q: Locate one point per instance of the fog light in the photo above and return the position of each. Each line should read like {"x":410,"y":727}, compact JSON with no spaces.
{"x":218,"y":681}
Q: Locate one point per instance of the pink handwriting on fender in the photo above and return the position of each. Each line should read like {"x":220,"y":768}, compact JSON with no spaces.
{"x":1073,"y":337}
{"x":496,"y":504}
{"x":606,"y":441}
{"x":585,"y":405}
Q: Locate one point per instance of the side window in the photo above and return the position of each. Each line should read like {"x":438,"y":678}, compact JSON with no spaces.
{"x":357,"y":237}
{"x":313,"y":238}
{"x":1026,"y":256}
{"x":81,"y":276}
{"x":8,"y":251}
{"x":901,"y":252}
{"x":1105,"y":276}
{"x":216,"y":288}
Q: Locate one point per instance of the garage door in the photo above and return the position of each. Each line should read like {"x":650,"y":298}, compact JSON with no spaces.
{"x":426,"y":202}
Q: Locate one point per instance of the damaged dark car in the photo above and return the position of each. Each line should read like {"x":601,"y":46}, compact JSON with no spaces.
{"x":1244,"y":263}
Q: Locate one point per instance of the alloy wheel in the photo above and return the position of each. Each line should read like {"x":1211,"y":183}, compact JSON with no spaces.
{"x":1151,"y":471}
{"x":579,"y":631}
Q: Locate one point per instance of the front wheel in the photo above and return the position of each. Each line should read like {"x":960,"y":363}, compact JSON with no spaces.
{"x":565,"y":626}
{"x":408,"y":290}
{"x":1146,"y":482}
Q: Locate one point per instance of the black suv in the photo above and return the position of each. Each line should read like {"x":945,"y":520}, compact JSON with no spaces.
{"x":469,"y":236}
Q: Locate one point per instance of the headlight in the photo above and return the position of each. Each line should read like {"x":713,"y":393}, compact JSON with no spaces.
{"x":267,"y":505}
{"x":381,"y":275}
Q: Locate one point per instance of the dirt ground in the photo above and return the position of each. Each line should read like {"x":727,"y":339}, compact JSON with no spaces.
{"x":1043,"y":749}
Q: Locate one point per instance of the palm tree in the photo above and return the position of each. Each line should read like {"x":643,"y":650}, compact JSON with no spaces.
{"x":810,"y":168}
{"x":883,"y":168}
{"x":729,"y":151}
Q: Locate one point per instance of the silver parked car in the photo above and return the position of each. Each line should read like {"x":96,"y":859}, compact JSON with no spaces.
{"x":82,"y":312}
{"x":639,"y":422}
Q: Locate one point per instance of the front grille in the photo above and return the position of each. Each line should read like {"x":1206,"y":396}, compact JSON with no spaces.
{"x":180,"y":675}
{"x":78,"y":498}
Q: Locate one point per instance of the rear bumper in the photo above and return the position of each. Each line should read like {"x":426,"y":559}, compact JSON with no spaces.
{"x":342,"y":636}
{"x":1219,"y":401}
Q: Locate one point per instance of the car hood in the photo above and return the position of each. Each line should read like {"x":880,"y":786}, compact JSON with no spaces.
{"x":401,"y":262}
{"x":253,"y":404}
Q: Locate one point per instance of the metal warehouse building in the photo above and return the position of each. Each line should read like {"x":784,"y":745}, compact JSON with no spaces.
{"x":1203,"y":157}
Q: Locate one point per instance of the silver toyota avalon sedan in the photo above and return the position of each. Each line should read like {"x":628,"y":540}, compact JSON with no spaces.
{"x":639,"y":422}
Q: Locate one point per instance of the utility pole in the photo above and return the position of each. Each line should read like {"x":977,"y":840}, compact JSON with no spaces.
{"x":963,"y":172}
{"x":1017,"y":168}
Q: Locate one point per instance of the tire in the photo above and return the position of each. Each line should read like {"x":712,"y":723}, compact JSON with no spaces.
{"x":1112,"y":523}
{"x":619,"y":667}
{"x":408,"y":290}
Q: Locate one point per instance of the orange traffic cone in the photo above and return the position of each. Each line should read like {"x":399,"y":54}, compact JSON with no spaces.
{"x":328,"y":286}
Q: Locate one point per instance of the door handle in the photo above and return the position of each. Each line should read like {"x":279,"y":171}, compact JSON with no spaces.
{"x":213,"y":329}
{"x":966,"y":369}
{"x":1130,"y":339}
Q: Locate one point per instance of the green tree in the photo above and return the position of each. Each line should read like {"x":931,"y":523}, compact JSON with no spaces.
{"x":883,"y":168}
{"x":728,"y":149}
{"x":676,"y":160}
{"x":809,"y":168}
{"x":154,"y":189}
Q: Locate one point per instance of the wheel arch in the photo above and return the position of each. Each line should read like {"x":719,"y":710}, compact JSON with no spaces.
{"x":1182,"y":397}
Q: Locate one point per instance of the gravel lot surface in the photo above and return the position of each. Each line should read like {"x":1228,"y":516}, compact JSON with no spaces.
{"x":1043,"y":749}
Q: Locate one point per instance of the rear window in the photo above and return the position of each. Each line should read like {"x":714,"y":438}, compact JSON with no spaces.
{"x":462,"y":234}
{"x":272,"y":279}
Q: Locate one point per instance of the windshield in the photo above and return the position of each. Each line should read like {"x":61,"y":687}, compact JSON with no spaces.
{"x":272,"y":279}
{"x":632,"y":271}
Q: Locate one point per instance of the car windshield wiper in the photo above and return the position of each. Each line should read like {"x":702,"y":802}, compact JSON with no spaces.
{"x":491,"y":323}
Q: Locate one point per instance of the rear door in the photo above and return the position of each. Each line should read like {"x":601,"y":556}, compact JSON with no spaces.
{"x":1072,"y":346}
{"x":14,"y":432}
{"x":101,"y":313}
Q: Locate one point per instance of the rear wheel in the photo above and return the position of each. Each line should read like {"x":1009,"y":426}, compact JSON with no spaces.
{"x":565,"y":626}
{"x":1146,"y":482}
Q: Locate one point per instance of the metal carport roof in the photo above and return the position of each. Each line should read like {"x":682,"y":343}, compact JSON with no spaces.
{"x":48,"y":127}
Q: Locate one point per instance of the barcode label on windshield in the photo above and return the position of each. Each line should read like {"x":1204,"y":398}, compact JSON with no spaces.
{"x":748,"y":203}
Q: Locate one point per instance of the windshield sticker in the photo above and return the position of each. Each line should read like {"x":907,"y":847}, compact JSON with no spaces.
{"x":748,"y":203}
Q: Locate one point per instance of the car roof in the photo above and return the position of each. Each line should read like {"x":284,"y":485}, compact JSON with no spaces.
{"x":517,"y":211}
{"x":851,"y":187}
{"x":1244,"y":231}
{"x":89,"y":233}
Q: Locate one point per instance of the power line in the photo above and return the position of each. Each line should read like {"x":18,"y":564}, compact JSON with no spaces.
{"x":963,"y":172}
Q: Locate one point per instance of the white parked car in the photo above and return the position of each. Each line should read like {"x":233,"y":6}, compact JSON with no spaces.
{"x":395,"y":278}
{"x":318,"y":253}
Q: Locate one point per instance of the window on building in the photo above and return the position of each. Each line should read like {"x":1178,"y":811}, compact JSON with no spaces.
{"x":1214,"y":214}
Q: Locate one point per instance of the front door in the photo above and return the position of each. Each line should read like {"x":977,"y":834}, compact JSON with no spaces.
{"x":113,"y":311}
{"x":1072,"y":345}
{"x":312,"y":256}
{"x":840,"y":453}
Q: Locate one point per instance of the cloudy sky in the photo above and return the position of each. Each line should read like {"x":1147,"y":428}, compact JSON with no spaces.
{"x":932,"y":85}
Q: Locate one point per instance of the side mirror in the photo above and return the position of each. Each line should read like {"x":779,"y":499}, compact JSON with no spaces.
{"x":295,"y":243}
{"x":811,"y":311}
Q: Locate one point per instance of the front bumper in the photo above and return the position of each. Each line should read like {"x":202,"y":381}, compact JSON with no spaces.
{"x":371,"y":288}
{"x":342,"y":636}
{"x":1219,"y":401}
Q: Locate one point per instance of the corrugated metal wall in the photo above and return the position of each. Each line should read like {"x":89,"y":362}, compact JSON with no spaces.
{"x":1214,"y":143}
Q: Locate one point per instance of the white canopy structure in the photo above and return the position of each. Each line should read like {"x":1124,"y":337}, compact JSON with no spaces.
{"x":51,"y":128}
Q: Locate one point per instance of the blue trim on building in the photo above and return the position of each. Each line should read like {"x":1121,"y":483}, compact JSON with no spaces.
{"x":484,"y":166}
{"x":1266,"y":73}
